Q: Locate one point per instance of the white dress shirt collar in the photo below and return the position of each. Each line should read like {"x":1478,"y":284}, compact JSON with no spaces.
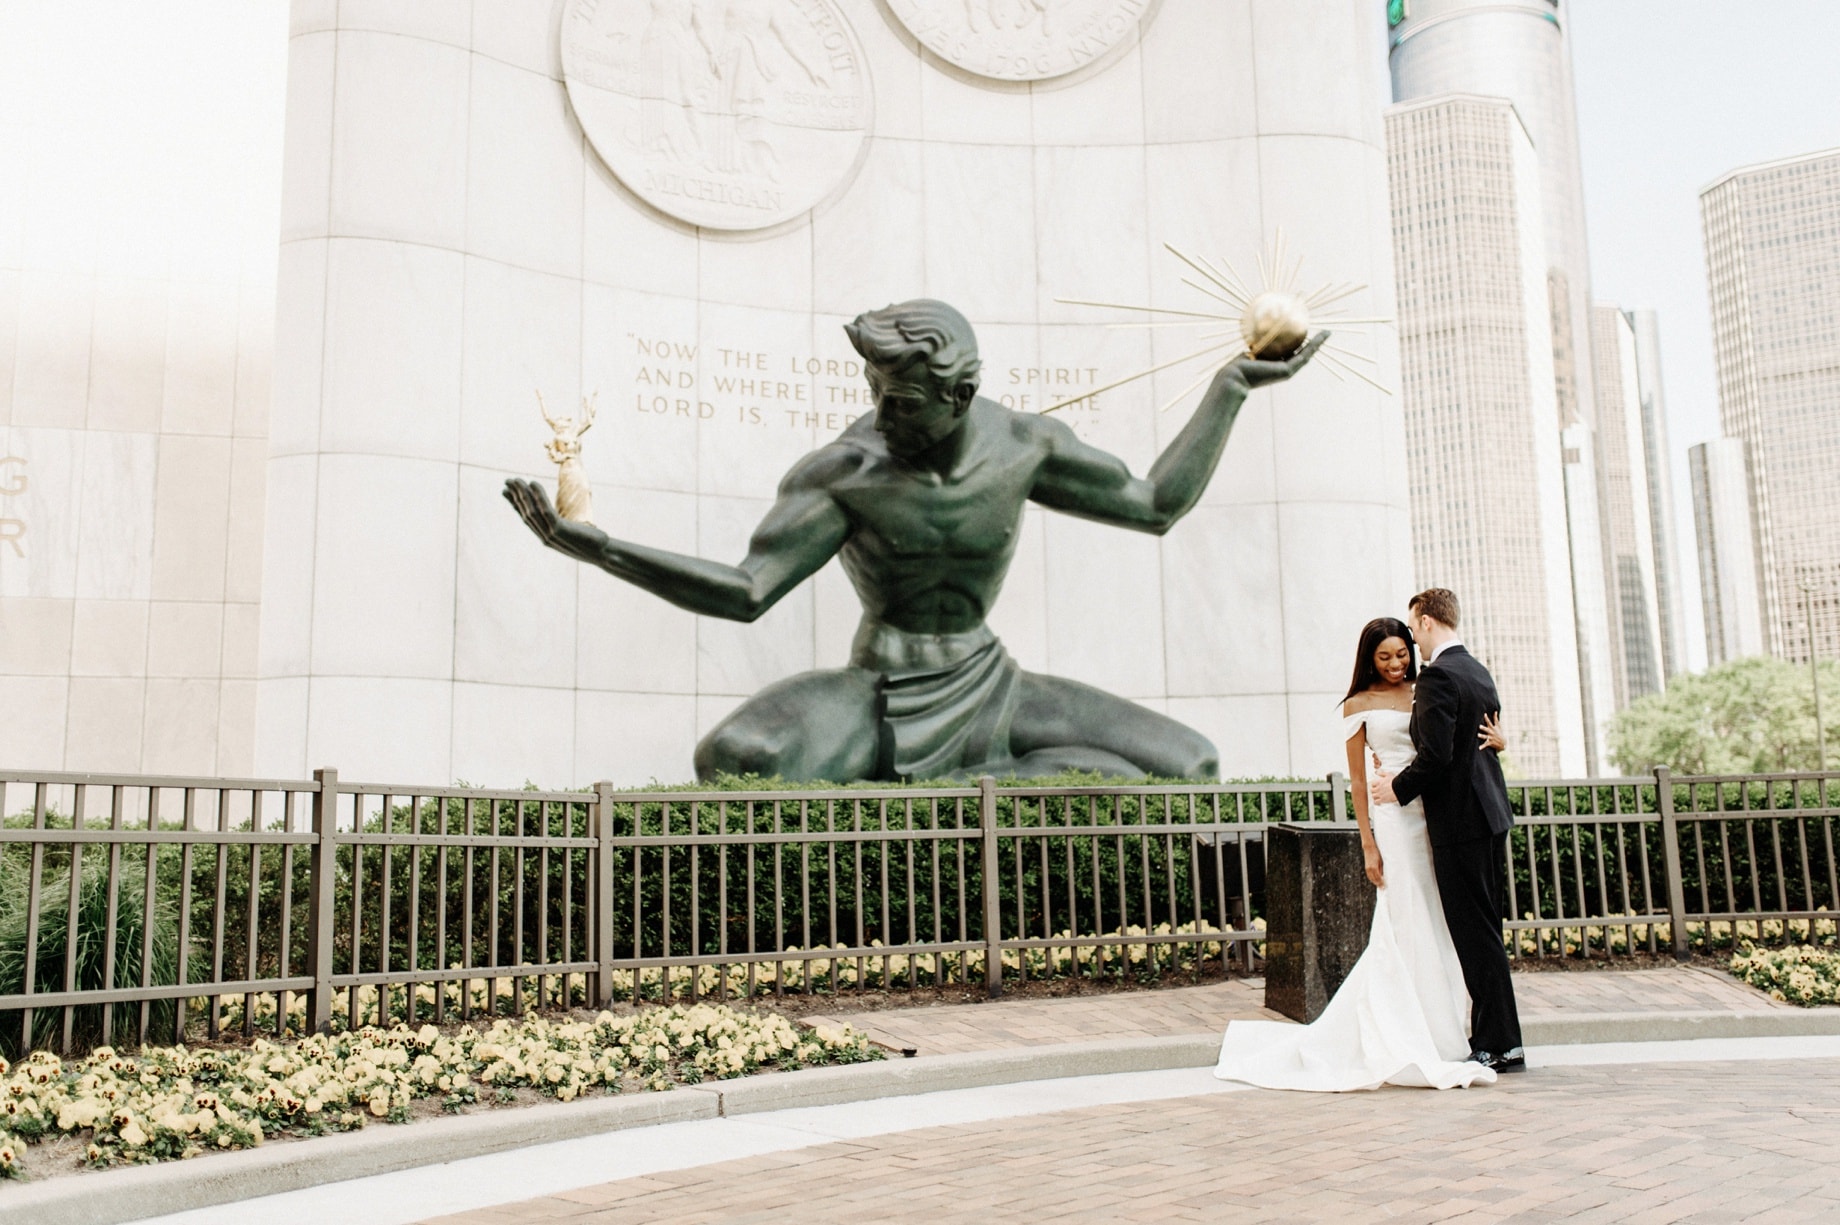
{"x":1445,"y":646}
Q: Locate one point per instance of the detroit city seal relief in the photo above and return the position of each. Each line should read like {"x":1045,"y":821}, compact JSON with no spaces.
{"x":729,"y":114}
{"x":1020,"y":40}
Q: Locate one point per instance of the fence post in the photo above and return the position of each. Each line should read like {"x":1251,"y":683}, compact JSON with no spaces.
{"x":1338,"y":796}
{"x":1670,"y":858}
{"x":993,"y":891}
{"x":603,"y":892}
{"x":322,"y":876}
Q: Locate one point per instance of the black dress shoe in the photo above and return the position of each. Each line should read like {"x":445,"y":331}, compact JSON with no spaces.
{"x":1514,"y":1061}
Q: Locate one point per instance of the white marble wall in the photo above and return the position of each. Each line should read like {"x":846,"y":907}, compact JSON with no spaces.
{"x":132,"y":461}
{"x":451,"y":243}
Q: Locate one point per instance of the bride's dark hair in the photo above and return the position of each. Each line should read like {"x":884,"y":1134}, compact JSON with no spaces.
{"x":1375,"y":632}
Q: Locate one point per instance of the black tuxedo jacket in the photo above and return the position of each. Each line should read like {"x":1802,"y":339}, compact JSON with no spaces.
{"x":1462,"y":786}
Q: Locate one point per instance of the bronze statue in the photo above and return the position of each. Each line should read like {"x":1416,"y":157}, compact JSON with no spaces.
{"x":923,"y":500}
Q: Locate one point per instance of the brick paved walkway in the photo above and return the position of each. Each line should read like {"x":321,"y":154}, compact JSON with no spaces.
{"x":957,"y":1028}
{"x":1701,"y":1143}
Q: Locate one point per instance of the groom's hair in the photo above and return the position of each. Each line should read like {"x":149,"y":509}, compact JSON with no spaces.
{"x":1438,"y":603}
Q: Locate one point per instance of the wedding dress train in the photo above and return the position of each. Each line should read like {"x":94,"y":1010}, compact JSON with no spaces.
{"x":1401,"y":1016}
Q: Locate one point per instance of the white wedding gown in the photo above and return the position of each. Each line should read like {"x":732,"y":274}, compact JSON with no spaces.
{"x":1402,"y":1015}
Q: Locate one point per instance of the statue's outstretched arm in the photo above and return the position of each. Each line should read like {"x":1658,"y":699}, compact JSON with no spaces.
{"x":802,"y":531}
{"x":1085,"y":481}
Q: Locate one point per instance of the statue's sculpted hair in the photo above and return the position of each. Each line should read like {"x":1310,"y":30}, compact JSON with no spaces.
{"x":906,"y":334}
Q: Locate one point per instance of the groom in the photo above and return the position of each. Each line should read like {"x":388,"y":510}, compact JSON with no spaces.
{"x":1467,"y":816}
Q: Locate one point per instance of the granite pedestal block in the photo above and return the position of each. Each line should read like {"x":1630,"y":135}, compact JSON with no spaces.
{"x":1318,"y":908}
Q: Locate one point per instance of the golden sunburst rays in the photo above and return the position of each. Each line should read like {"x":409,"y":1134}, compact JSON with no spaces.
{"x":1237,"y":320}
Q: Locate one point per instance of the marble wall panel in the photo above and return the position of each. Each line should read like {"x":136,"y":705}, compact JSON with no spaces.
{"x":1198,"y":83}
{"x":758,"y":412}
{"x":1336,"y":577}
{"x":191,"y":517}
{"x":435,"y":20}
{"x":1102,"y":105}
{"x":639,"y":354}
{"x":201,"y":349}
{"x":184,"y":639}
{"x":383,"y":589}
{"x":381,"y":729}
{"x":127,"y":355}
{"x":236,"y":728}
{"x":117,"y":514}
{"x":627,"y":639}
{"x":306,"y":160}
{"x":179,"y":734}
{"x":1223,"y":608}
{"x":628,"y":245}
{"x":108,"y":638}
{"x":104,"y":720}
{"x":1251,"y":732}
{"x":242,"y":640}
{"x":632,"y":739}
{"x":43,"y":508}
{"x":1090,"y":240}
{"x":522,"y":338}
{"x":404,"y":177}
{"x":255,"y":357}
{"x":523,"y":33}
{"x":737,"y":658}
{"x":980,"y":239}
{"x":34,"y":711}
{"x":868,"y":249}
{"x":524,"y":170}
{"x":299,"y":353}
{"x":508,"y":735}
{"x":1298,"y":42}
{"x":752,"y":271}
{"x":958,"y":109}
{"x":393,"y":342}
{"x":514,"y":601}
{"x":290,"y":524}
{"x":895,"y":69}
{"x":248,"y":490}
{"x":282,"y":747}
{"x":35,"y":636}
{"x":1104,"y":606}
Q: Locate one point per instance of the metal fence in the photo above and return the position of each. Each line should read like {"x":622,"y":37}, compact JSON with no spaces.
{"x":135,"y":909}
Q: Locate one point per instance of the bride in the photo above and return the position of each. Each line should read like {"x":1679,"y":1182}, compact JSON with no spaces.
{"x":1402,"y":1015}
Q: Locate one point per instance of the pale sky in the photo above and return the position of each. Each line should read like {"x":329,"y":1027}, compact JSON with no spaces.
{"x":1671,"y":95}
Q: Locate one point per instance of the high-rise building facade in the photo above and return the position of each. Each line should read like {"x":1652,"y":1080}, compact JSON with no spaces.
{"x":1483,"y":446}
{"x":1517,"y":51}
{"x":1727,"y":557}
{"x":1628,"y":533}
{"x":1668,"y":594}
{"x":1773,"y":263}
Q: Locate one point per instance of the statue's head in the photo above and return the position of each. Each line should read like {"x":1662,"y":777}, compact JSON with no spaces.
{"x":922,"y":363}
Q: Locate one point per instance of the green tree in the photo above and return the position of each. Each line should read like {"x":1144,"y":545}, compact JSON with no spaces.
{"x":1747,"y":716}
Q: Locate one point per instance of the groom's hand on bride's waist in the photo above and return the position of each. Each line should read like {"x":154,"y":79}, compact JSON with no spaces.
{"x":1380,"y":789}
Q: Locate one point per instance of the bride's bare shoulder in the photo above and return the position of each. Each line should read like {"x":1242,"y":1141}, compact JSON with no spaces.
{"x":1358,"y":703}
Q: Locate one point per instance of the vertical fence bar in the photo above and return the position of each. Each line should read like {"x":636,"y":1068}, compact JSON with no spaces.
{"x":603,"y":893}
{"x":1670,"y":855}
{"x":993,"y":895}
{"x":322,"y":866}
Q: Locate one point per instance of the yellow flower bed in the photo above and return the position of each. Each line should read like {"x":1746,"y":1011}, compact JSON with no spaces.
{"x":172,"y":1102}
{"x":1802,"y":975}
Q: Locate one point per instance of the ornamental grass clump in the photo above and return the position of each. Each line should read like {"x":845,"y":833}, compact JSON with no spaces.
{"x":1802,"y":974}
{"x":175,"y":1102}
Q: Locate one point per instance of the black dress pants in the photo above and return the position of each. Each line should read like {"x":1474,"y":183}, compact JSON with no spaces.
{"x":1469,"y":877}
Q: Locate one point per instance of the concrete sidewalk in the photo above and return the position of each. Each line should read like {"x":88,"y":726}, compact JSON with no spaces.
{"x":1556,"y":1006}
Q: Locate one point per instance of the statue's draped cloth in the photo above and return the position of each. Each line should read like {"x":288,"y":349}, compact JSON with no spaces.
{"x":948,"y":699}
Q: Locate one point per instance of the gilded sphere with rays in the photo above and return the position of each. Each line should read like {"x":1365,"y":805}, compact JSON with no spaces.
{"x":1274,"y":325}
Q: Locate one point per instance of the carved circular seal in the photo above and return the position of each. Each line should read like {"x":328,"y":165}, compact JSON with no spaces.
{"x":1020,"y":40}
{"x":730,"y":114}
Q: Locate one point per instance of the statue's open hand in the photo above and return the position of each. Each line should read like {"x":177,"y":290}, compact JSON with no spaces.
{"x":578,"y":540}
{"x":1252,"y":372}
